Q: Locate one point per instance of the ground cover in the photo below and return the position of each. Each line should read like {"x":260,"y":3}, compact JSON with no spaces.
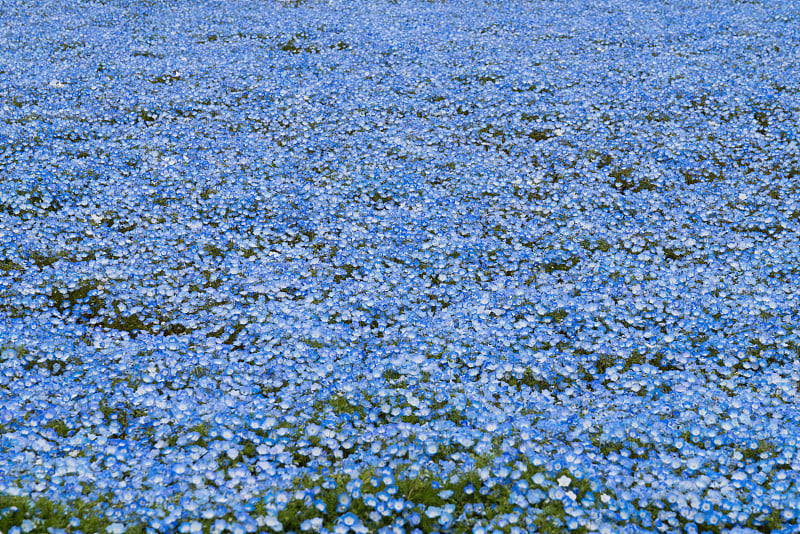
{"x":400,"y":266}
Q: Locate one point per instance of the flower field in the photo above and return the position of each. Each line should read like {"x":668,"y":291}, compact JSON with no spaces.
{"x":371,"y":266}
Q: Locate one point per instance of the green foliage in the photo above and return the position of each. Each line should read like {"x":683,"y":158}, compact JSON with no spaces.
{"x":391,"y":374}
{"x":8,"y":265}
{"x":557,"y":316}
{"x":59,"y":427}
{"x":604,"y":362}
{"x":47,"y":515}
{"x":624,"y":181}
{"x":339,"y":404}
{"x":751,"y":454}
{"x":474,"y":496}
{"x":214,"y":251}
{"x":123,"y":413}
{"x":601,"y":244}
{"x":635,"y":358}
{"x":528,"y":379}
{"x":561,"y":265}
{"x":71,"y":297}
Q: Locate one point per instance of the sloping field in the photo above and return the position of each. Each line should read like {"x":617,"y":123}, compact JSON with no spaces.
{"x":404,"y":267}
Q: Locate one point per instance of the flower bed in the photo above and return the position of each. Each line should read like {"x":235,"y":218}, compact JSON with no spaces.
{"x":404,"y":266}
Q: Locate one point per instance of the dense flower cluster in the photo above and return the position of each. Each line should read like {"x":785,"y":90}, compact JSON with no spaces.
{"x":367,"y":266}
